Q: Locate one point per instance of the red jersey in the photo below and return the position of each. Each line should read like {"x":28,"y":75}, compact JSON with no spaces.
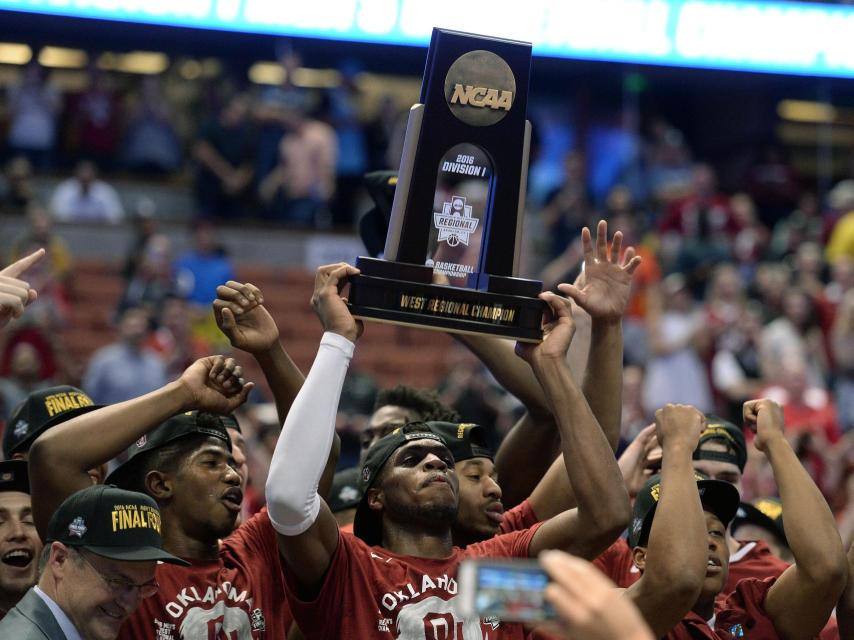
{"x":371,"y":592}
{"x":239,"y":595}
{"x":518,"y":518}
{"x":742,"y":615}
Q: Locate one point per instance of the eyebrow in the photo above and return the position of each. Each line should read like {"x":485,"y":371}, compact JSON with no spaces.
{"x":423,"y":449}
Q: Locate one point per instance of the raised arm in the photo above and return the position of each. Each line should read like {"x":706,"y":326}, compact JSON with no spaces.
{"x":240,"y":315}
{"x":61,"y":457}
{"x":603,"y":506}
{"x":801,"y":600}
{"x":308,"y":532}
{"x":674,"y":561}
{"x":602,"y":292}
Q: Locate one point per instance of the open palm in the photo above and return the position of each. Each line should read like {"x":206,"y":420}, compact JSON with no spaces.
{"x":607,"y":281}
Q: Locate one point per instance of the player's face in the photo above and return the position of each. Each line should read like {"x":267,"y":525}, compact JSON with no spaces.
{"x":481,"y":511}
{"x":717,"y":469}
{"x":207,"y":494}
{"x":97,"y":608}
{"x":717,"y":565}
{"x":385,"y":420}
{"x":19,"y":546}
{"x":238,"y":452}
{"x":419,"y":484}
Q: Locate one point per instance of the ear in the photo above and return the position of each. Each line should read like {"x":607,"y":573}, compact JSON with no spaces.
{"x":639,"y":558}
{"x":59,"y":559}
{"x":159,"y":485}
{"x":375,"y":499}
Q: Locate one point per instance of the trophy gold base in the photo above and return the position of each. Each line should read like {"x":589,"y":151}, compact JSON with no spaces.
{"x":408,"y":300}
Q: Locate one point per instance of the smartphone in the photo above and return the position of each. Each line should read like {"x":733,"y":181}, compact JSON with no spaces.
{"x":510,"y":590}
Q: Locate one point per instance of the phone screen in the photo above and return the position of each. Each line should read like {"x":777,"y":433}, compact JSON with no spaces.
{"x":512,"y":591}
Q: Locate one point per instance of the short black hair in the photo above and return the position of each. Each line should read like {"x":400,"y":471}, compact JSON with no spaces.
{"x":423,"y":402}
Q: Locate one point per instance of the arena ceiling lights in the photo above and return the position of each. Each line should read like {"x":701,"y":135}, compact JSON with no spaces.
{"x":771,"y":37}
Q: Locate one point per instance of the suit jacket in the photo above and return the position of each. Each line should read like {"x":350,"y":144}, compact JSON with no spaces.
{"x":30,"y":619}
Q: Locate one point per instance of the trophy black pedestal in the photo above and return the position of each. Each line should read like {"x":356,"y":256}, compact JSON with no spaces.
{"x":401,"y":293}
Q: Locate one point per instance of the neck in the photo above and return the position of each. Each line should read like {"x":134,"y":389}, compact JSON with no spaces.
{"x":705,"y":607}
{"x":180,"y":543}
{"x":417,"y":541}
{"x":463,"y":538}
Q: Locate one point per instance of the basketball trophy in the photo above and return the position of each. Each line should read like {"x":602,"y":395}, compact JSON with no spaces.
{"x":451,"y":253}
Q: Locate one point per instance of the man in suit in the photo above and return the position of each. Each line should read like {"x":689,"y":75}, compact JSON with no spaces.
{"x":97,"y":565}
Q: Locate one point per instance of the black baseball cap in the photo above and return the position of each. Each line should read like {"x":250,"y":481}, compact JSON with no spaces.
{"x":718,"y":497}
{"x":183,"y":425}
{"x":368,"y":524}
{"x":763,"y":512}
{"x":41,"y":410}
{"x":465,"y":439}
{"x":14,"y":476}
{"x":111,"y":522}
{"x":723,"y":431}
{"x":345,"y":493}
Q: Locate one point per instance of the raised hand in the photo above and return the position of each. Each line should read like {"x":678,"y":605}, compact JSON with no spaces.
{"x":330,"y":306}
{"x":242,"y":318}
{"x":557,"y":334}
{"x":215,"y":384}
{"x":16,"y":294}
{"x":679,"y":424}
{"x":607,"y":282}
{"x":765,"y":418}
{"x":635,"y":460}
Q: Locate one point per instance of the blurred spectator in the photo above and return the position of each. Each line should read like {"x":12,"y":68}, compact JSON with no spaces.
{"x":300,"y":188}
{"x":174,"y":340}
{"x":95,"y":120}
{"x":225,"y":153}
{"x":774,"y":185}
{"x":843,"y":357}
{"x":771,"y":281}
{"x":34,"y":108}
{"x":794,"y":337}
{"x":16,"y":190}
{"x":677,"y":333}
{"x":85,"y":198}
{"x":668,"y":163}
{"x":280,"y":109}
{"x":841,"y":243}
{"x":201,"y":270}
{"x":752,"y":237}
{"x":52,"y":276}
{"x":379,"y":133}
{"x":840,"y":202}
{"x":807,"y":407}
{"x":151,"y":144}
{"x":153,"y":279}
{"x":699,"y":228}
{"x":144,"y":222}
{"x":124,"y":369}
{"x":352,"y":163}
{"x":736,"y":375}
{"x":633,"y":416}
{"x":801,"y":225}
{"x":568,"y":208}
{"x":24,"y":377}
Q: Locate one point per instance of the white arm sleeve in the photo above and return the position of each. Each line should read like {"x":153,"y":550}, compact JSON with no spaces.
{"x":305,"y":440}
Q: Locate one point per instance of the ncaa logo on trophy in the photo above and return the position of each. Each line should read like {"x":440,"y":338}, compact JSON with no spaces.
{"x":451,"y":257}
{"x":455,"y":222}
